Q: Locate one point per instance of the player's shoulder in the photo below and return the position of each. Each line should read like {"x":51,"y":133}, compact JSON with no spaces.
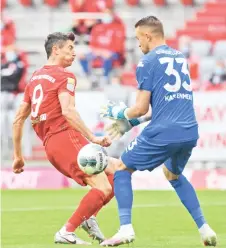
{"x":33,"y":75}
{"x":37,"y":72}
{"x":65,"y":73}
{"x":145,"y":61}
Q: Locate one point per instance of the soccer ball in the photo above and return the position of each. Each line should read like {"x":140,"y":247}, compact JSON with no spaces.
{"x":92,"y":159}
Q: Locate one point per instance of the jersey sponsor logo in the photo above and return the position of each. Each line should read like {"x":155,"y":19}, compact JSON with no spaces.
{"x":71,"y":84}
{"x":172,"y":52}
{"x":47,"y":77}
{"x":140,"y":64}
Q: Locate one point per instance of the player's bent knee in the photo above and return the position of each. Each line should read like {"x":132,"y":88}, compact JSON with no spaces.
{"x":122,"y":166}
{"x":119,"y":165}
{"x":114,"y":165}
{"x":169,"y":175}
{"x":100,"y":181}
{"x":105,"y":188}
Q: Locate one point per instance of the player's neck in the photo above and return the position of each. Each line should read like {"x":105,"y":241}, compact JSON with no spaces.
{"x":157,"y":43}
{"x":53,"y":61}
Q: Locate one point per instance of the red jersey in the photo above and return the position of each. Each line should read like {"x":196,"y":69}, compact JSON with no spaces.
{"x":42,"y":93}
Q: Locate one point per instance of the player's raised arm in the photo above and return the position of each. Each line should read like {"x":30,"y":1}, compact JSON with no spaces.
{"x":21,"y":115}
{"x":141,"y":106}
{"x":143,"y":96}
{"x":69,"y":111}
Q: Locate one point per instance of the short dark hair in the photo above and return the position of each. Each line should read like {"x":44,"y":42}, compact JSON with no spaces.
{"x":57,"y":38}
{"x":152,"y":22}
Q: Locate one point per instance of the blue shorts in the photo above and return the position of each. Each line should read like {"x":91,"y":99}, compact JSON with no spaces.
{"x":145,"y":154}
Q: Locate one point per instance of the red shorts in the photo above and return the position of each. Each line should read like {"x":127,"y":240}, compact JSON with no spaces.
{"x":62,"y":150}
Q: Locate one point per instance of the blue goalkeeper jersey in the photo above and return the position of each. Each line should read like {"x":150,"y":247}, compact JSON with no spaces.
{"x":164,"y":72}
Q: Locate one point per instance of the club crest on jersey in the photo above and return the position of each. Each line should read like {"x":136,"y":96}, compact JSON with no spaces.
{"x":71,"y":84}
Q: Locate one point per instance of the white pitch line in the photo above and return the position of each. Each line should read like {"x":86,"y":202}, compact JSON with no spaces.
{"x":134,"y":206}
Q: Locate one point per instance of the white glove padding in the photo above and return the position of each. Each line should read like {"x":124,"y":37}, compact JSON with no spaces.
{"x":113,"y":110}
{"x":117,"y":128}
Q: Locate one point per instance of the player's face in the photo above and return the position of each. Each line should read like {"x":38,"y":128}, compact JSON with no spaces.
{"x":143,"y":39}
{"x":66,"y":54}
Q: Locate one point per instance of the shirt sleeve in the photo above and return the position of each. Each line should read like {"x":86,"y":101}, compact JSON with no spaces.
{"x":27,"y":94}
{"x":144,"y":75}
{"x":68,"y":84}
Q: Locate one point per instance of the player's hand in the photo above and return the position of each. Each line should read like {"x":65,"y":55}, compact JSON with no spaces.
{"x":117,"y":128}
{"x":104,"y":141}
{"x":18,"y":164}
{"x":113,"y":111}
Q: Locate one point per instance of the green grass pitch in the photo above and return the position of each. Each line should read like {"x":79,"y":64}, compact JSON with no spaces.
{"x":31,"y":218}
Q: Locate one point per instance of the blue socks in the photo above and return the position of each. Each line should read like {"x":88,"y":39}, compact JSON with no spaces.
{"x":124,"y":195}
{"x":188,"y":197}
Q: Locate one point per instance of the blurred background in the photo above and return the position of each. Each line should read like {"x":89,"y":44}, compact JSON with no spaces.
{"x":107,"y":54}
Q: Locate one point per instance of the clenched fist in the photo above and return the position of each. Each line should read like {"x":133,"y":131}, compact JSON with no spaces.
{"x":104,"y":141}
{"x":18,"y":165}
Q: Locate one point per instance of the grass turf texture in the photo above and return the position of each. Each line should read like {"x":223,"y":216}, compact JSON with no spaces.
{"x":31,"y":218}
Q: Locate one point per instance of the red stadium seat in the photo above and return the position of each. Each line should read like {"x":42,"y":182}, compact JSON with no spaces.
{"x":209,"y":24}
{"x":215,"y":36}
{"x":172,"y":42}
{"x":204,"y":25}
{"x":212,"y":12}
{"x":211,"y":32}
{"x":212,"y":87}
{"x":26,"y":3}
{"x":129,"y":79}
{"x":208,"y":19}
{"x":194,"y":33}
{"x":187,"y":2}
{"x":215,"y":5}
{"x":159,"y":2}
{"x":52,"y":3}
{"x":90,"y":6}
{"x":132,"y":2}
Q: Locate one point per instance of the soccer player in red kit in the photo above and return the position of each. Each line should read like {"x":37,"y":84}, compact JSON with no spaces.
{"x":49,"y":98}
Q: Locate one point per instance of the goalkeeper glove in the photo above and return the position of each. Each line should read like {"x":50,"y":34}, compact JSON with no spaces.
{"x":114,"y":111}
{"x":117,"y":128}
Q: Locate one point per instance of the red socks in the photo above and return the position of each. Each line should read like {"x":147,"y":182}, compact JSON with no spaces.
{"x":93,"y":201}
{"x":111,"y":181}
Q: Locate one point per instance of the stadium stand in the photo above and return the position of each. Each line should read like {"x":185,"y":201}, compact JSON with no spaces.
{"x":203,"y":22}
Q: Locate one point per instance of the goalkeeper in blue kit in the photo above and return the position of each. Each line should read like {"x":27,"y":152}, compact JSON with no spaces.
{"x":164,"y":83}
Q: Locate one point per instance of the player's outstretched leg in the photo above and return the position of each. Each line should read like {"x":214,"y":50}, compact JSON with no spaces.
{"x":91,"y":226}
{"x":124,"y":196}
{"x":188,"y":197}
{"x":101,"y":189}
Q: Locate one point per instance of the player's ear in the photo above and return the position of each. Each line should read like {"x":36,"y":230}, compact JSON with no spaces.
{"x":55,"y":50}
{"x":148,"y":36}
